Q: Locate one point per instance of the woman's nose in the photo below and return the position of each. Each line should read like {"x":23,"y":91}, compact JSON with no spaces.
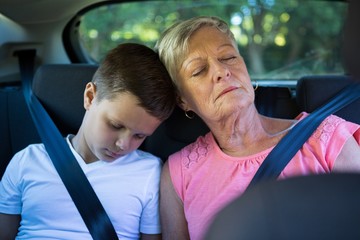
{"x":221,"y":72}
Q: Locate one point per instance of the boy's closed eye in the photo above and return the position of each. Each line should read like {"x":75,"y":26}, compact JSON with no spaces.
{"x":140,"y":136}
{"x":115,"y":126}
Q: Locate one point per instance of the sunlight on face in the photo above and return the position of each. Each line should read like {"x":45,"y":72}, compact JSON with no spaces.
{"x":214,"y":77}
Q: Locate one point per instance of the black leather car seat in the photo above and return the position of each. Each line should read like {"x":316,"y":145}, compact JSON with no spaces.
{"x":314,"y":91}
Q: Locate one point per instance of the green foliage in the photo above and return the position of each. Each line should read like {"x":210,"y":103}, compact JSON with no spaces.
{"x":278,"y":38}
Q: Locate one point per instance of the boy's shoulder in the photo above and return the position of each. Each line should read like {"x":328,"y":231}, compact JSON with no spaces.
{"x":144,"y":154}
{"x":141,"y":156}
{"x":32,"y":150}
{"x":30,"y":156}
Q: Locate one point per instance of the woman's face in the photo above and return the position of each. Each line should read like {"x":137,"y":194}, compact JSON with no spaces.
{"x":213,"y":79}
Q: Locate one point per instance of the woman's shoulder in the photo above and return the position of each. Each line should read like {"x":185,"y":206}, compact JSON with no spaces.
{"x":324,"y":145}
{"x":331,"y":128}
{"x":331,"y":135}
{"x":195,"y":152}
{"x":332,"y":119}
{"x":328,"y":127}
{"x":199,"y":147}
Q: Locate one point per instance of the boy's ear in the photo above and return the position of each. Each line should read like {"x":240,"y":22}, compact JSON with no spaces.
{"x":89,"y":94}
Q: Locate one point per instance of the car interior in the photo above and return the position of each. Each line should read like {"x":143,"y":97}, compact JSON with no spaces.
{"x":284,"y":206}
{"x":63,"y":68}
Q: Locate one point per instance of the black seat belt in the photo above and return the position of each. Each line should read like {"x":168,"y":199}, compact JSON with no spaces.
{"x":70,"y":172}
{"x":285,"y":150}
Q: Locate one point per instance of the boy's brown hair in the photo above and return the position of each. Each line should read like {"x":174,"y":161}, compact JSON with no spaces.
{"x":136,"y":69}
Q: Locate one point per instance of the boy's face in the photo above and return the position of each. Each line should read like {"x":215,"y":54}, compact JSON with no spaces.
{"x":114,"y":128}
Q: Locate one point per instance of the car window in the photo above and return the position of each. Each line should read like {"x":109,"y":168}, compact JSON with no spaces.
{"x":279,"y":39}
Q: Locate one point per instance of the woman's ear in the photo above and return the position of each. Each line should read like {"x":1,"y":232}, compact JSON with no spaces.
{"x":89,"y":95}
{"x":182,"y":103}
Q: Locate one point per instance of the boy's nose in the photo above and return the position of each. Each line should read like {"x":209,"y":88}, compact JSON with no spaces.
{"x":123,"y":143}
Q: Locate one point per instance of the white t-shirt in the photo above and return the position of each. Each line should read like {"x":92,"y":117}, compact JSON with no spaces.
{"x":128,"y":188}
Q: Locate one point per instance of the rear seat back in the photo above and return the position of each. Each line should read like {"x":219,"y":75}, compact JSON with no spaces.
{"x":276,"y":102}
{"x":174,"y":133}
{"x":16,"y":127}
{"x":314,"y":91}
{"x":60,"y":88}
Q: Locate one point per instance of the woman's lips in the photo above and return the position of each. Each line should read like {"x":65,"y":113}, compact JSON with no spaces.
{"x":229,"y":89}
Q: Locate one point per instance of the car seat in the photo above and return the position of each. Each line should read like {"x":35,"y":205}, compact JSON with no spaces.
{"x":16,"y":127}
{"x":319,"y":207}
{"x":314,"y":91}
{"x":59,"y":88}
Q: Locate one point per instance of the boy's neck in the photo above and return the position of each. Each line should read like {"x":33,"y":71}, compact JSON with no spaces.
{"x":82,"y":149}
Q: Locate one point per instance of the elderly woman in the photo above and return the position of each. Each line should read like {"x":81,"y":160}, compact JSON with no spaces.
{"x":212,"y":81}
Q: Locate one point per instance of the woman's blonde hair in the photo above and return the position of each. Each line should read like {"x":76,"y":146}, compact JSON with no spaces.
{"x":172,"y":45}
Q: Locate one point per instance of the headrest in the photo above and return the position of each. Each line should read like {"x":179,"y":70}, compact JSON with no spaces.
{"x":305,"y":207}
{"x":314,"y":91}
{"x":276,"y":102}
{"x":60,"y":88}
{"x":174,"y":133}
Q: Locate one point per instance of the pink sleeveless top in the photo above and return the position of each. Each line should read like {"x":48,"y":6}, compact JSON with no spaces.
{"x":206,"y":179}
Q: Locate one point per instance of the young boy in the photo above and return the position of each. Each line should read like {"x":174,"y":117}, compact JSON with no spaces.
{"x":130,"y":95}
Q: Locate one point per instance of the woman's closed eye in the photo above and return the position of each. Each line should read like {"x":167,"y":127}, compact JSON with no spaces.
{"x":198,"y":71}
{"x":230,"y":59}
{"x":201,"y":69}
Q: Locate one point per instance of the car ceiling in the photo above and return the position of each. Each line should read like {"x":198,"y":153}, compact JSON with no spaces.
{"x":32,"y":11}
{"x":40,"y":11}
{"x":40,"y":21}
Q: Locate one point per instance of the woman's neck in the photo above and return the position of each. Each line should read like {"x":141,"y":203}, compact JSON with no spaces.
{"x":244,"y":135}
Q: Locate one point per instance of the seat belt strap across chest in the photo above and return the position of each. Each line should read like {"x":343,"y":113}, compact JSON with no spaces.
{"x":69,"y":170}
{"x":286,"y":149}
